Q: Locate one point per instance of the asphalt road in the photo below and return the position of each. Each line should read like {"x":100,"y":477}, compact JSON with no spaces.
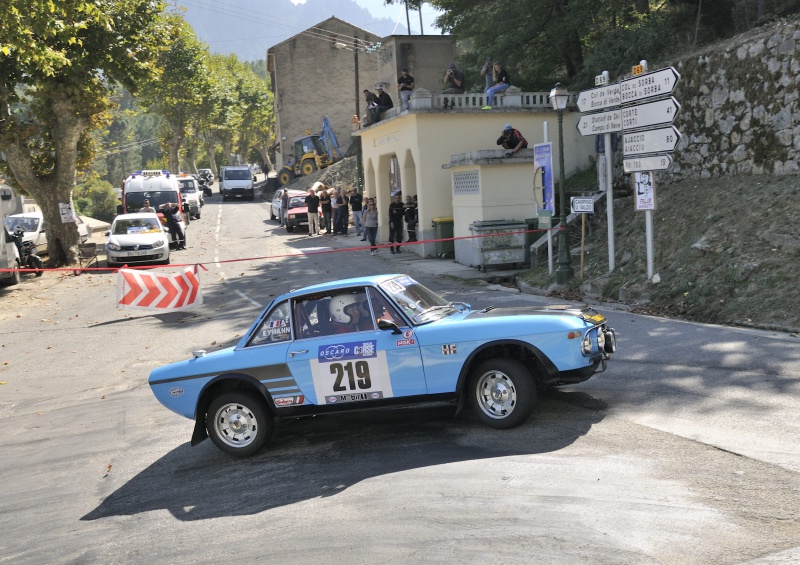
{"x":686,"y":451}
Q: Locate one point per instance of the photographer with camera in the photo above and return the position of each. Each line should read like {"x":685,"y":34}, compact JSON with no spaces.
{"x":453,"y":83}
{"x":511,"y":139}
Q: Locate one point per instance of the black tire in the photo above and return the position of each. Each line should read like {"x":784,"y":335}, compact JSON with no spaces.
{"x":35,"y":262}
{"x":197,"y":217}
{"x":224,"y":198}
{"x":271,"y":215}
{"x":308,"y":166}
{"x":289,"y":228}
{"x":285,"y":176}
{"x":15,"y":278}
{"x":239,"y":423}
{"x":502,"y":392}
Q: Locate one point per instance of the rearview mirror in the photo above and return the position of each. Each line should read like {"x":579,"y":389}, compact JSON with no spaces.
{"x":387,"y":325}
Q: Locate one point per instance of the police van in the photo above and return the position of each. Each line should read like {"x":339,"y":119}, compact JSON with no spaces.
{"x":158,"y":187}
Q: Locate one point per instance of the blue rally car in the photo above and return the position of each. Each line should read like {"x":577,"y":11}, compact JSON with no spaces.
{"x":379,"y":341}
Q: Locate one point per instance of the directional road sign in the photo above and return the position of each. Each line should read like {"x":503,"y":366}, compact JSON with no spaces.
{"x":651,"y":141}
{"x":599,"y":98}
{"x":651,"y":163}
{"x":648,"y":85}
{"x":600,"y":123}
{"x":578,"y":205}
{"x":649,"y":114}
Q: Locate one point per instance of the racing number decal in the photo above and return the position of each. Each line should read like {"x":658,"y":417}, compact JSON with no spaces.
{"x":356,"y":379}
{"x":351,"y":372}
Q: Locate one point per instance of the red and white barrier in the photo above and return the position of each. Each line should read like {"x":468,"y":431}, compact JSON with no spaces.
{"x":158,"y":291}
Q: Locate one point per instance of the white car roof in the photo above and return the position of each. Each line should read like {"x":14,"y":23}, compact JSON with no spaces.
{"x":35,"y":214}
{"x":137,"y":215}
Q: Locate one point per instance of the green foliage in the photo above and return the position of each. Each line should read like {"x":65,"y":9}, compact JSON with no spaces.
{"x":97,"y":199}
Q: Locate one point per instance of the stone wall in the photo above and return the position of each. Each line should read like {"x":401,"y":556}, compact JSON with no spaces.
{"x":740,"y":112}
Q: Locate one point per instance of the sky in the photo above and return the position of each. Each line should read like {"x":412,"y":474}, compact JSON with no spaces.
{"x":398,"y":11}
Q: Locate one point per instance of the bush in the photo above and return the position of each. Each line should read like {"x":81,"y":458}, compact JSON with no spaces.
{"x":97,"y":199}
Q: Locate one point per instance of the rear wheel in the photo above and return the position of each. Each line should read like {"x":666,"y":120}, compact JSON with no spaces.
{"x":289,"y":228}
{"x":502,"y":392}
{"x":238,"y":423}
{"x":308,"y":166}
{"x":15,"y":278}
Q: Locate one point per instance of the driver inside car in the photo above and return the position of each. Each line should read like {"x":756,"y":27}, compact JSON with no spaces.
{"x":347,"y":316}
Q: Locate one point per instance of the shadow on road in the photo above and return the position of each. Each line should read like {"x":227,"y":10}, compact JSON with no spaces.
{"x":322,"y":456}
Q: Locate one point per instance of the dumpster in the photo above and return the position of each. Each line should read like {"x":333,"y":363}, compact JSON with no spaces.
{"x":444,"y":229}
{"x":505,"y":249}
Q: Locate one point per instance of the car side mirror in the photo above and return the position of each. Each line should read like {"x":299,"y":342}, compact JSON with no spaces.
{"x":108,"y":233}
{"x":387,"y":325}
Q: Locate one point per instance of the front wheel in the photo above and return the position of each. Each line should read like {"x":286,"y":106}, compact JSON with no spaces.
{"x":308,"y":166}
{"x":503,"y":392}
{"x":238,"y":423}
{"x":35,"y":262}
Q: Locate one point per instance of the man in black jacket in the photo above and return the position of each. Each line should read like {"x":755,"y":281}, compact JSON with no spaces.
{"x":384,"y":103}
{"x":396,"y":214}
{"x":511,"y":139}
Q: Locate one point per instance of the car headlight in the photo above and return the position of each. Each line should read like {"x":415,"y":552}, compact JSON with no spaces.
{"x":291,"y":216}
{"x":586,"y":344}
{"x":113,"y":246}
{"x":601,"y":340}
{"x":158,"y":243}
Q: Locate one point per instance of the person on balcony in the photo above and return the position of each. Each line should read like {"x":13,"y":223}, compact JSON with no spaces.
{"x":452,"y":83}
{"x":384,"y":103}
{"x":502,"y":81}
{"x":405,"y":84}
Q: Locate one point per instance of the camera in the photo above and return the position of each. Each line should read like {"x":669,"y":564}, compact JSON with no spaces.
{"x":449,"y":73}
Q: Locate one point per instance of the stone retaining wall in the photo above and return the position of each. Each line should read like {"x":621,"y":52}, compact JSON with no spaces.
{"x":740,"y":112}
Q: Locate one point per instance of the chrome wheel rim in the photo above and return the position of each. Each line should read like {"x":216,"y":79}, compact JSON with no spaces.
{"x":496,"y":394}
{"x":236,"y":425}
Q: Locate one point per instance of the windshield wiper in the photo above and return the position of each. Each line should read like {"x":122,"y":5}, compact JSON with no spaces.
{"x":487,"y":309}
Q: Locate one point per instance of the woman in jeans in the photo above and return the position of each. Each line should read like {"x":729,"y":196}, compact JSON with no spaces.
{"x":371,"y":225}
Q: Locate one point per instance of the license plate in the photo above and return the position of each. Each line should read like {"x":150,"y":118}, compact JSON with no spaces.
{"x":137,"y":253}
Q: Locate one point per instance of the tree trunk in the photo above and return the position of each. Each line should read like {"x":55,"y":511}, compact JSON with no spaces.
{"x":212,"y":159}
{"x":264,"y":152}
{"x":174,"y":145}
{"x":55,"y":188}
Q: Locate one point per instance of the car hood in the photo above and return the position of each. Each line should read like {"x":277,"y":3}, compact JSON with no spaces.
{"x":586,"y":313}
{"x":137,"y":239}
{"x":214,"y":363}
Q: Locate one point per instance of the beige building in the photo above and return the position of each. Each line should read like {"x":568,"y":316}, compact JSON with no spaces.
{"x":429,"y":151}
{"x":313,"y":75}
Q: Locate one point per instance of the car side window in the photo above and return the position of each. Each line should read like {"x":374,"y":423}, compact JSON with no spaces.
{"x":275,"y":328}
{"x":382,"y":308}
{"x":341,"y":312}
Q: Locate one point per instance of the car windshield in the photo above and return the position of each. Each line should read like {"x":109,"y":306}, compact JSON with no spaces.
{"x":186,"y":184}
{"x":238,"y":174}
{"x":28,"y":224}
{"x":297,"y":202}
{"x":135,"y":200}
{"x":188,"y":190}
{"x":136,"y":225}
{"x":418,"y":302}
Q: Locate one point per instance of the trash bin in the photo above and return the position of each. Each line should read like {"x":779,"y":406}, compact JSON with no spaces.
{"x":505,"y":248}
{"x":444,"y":229}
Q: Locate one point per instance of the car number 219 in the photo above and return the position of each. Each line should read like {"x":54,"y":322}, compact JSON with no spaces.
{"x":349,"y":380}
{"x":357,"y":376}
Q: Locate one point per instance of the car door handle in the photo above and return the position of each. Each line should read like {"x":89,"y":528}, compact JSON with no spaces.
{"x":293,"y":353}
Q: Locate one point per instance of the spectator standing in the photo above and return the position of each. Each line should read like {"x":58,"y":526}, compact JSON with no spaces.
{"x":384,"y":103}
{"x":511,"y":139}
{"x":396,"y":210}
{"x":344,"y":212}
{"x":335,"y":210}
{"x":325,"y":205}
{"x":410,"y":215}
{"x":486,"y":72}
{"x":357,"y":206}
{"x":502,"y":80}
{"x":284,"y":205}
{"x":172,"y":213}
{"x":312,"y":203}
{"x":405,"y":84}
{"x":452,"y":83}
{"x":371,"y":225}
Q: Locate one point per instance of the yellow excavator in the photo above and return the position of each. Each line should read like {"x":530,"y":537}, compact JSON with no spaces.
{"x":311,"y":153}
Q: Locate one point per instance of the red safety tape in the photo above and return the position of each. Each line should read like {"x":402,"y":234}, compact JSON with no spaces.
{"x":79,"y":270}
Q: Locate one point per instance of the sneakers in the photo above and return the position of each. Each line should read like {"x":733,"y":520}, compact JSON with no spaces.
{"x":372,"y":252}
{"x":392,"y":250}
{"x":487,"y":107}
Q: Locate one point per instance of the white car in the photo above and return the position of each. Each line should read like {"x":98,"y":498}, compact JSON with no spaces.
{"x":191,"y":195}
{"x":33,"y":224}
{"x":136,"y":239}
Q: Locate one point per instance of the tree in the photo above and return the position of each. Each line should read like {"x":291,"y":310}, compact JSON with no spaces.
{"x":58,"y":61}
{"x":177,"y":93}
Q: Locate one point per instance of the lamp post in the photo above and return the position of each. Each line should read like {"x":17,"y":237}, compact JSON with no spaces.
{"x":558,"y":98}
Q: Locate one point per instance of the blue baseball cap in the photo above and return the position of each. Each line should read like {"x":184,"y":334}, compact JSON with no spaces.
{"x":507,"y":127}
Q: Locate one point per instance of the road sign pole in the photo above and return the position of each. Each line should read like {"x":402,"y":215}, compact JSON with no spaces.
{"x":648,"y":222}
{"x":610,"y":201}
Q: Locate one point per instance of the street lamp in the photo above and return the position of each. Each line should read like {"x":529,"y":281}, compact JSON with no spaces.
{"x":558,"y":98}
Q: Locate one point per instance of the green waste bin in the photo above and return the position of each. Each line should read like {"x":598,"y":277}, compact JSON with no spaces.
{"x":444,"y":229}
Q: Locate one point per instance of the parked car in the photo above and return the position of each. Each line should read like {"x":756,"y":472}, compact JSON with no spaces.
{"x":137,"y":239}
{"x":33,"y":224}
{"x":297,"y":211}
{"x":376,"y":342}
{"x":191,"y":194}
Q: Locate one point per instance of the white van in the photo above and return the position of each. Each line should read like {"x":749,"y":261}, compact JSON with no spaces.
{"x":237,"y":182}
{"x":157,"y":187}
{"x":9,"y":255}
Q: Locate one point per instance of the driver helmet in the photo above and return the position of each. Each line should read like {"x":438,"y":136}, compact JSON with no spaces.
{"x":337,"y":306}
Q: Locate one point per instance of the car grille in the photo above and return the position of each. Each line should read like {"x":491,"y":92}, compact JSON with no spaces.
{"x":135,"y":247}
